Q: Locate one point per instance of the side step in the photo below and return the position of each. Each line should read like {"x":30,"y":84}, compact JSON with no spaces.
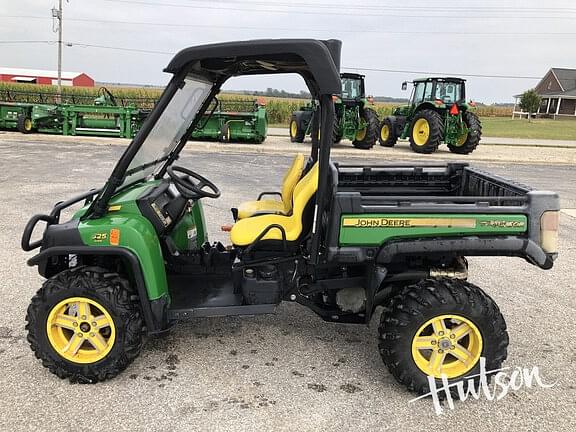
{"x":188,"y":314}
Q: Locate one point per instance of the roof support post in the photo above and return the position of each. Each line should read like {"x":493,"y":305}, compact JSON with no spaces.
{"x":548,"y":107}
{"x":558,"y":107}
{"x":324,"y":190}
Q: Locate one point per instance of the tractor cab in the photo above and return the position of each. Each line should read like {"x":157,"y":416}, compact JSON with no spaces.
{"x":352,"y":87}
{"x":445,"y":91}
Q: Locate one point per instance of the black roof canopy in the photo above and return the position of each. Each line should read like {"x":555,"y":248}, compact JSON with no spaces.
{"x":318,"y":61}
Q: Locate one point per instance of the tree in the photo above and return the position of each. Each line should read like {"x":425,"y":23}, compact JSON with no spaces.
{"x":530,"y":102}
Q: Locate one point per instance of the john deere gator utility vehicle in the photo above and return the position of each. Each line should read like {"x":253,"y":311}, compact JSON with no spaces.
{"x":355,"y":119}
{"x":340,"y":239}
{"x":437,"y":113}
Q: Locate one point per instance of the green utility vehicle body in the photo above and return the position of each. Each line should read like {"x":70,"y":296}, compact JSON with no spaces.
{"x":135,"y":258}
{"x":234,"y":120}
{"x":437,"y":112}
{"x":355,"y":118}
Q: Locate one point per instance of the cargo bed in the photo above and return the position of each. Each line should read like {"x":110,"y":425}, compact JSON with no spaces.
{"x":385,"y":211}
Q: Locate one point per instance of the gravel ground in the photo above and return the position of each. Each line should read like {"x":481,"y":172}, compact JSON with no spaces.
{"x":289,"y":371}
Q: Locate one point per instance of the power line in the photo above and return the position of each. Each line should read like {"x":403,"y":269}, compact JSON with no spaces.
{"x":292,"y":29}
{"x":137,"y":50}
{"x":441,"y":73}
{"x":300,"y":12}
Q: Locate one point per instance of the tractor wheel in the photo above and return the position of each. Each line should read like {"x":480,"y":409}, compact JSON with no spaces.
{"x":336,"y":131}
{"x":387,"y":136}
{"x":426,"y":131}
{"x":85,"y":325}
{"x":441,"y":327}
{"x":224,"y":135}
{"x":24,"y":124}
{"x":366,"y":138}
{"x":296,"y":132}
{"x":468,"y":142}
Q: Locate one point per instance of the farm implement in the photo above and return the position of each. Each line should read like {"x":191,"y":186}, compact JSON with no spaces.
{"x":234,"y":120}
{"x":437,"y":113}
{"x":102,"y":118}
{"x":345,"y":241}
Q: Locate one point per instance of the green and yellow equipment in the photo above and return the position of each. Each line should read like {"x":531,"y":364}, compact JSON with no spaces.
{"x":355,"y":118}
{"x":437,"y":112}
{"x":135,"y":258}
{"x":234,"y":120}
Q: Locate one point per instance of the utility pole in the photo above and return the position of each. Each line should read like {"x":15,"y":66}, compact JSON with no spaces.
{"x":57,"y":14}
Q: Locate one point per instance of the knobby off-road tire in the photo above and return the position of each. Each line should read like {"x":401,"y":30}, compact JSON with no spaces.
{"x":114,"y":296}
{"x":366,"y":138}
{"x":427,"y":300}
{"x":336,"y":133}
{"x":297,"y":133}
{"x":24,"y":124}
{"x":387,"y":136}
{"x":470,"y":141}
{"x":426,"y":131}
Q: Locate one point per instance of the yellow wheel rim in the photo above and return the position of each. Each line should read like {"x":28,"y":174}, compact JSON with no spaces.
{"x":293,"y":128}
{"x":384,"y":132}
{"x":462,"y":140}
{"x":361,"y":134}
{"x":28,"y":124}
{"x":448,"y":345}
{"x":80,"y":330}
{"x":421,"y":132}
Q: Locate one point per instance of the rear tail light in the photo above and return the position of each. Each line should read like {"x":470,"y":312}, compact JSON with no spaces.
{"x":549,"y":223}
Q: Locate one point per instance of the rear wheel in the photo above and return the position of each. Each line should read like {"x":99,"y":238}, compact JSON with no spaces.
{"x":296,"y":132}
{"x":366,"y":137}
{"x":426,"y":131}
{"x":387,"y":136}
{"x":441,"y":327}
{"x":470,"y":140}
{"x":24,"y":124}
{"x":85,"y":325}
{"x":336,"y":131}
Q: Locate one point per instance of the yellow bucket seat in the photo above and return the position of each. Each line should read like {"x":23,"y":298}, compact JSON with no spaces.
{"x":246,"y":231}
{"x":282,"y":206}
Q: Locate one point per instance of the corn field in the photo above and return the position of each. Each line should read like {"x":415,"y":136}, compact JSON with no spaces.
{"x":278,"y":109}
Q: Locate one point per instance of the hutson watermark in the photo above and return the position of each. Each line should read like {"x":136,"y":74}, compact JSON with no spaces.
{"x":504,"y":380}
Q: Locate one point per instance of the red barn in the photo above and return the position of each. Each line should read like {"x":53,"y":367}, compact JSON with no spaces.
{"x":36,"y":76}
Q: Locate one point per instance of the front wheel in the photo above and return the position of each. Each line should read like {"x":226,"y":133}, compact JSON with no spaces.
{"x":85,"y":325}
{"x":387,"y":136}
{"x":366,"y":137}
{"x":297,"y":133}
{"x":441,"y":327}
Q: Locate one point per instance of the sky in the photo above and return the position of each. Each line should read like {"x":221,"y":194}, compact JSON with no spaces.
{"x":408,"y":39}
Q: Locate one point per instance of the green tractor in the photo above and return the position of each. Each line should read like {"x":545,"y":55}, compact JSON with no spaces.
{"x":341,"y":240}
{"x":354,"y":119}
{"x":437,"y":113}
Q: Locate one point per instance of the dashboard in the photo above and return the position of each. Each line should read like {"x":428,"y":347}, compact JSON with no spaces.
{"x":162,"y":206}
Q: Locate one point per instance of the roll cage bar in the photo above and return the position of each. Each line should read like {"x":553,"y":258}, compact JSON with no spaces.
{"x":317,"y":61}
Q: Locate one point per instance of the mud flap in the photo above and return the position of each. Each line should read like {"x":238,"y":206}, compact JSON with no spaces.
{"x":374,"y":278}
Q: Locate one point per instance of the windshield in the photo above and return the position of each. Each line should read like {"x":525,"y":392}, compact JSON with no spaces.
{"x":169,"y":129}
{"x":351,"y":88}
{"x":448,"y":92}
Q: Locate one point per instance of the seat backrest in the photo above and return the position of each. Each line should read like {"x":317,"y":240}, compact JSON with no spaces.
{"x":303,"y":193}
{"x":291,"y":179}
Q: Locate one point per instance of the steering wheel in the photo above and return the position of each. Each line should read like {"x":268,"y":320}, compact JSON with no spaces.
{"x":189,"y":188}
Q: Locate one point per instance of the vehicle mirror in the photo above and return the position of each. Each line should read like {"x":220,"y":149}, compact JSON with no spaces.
{"x":404,"y":85}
